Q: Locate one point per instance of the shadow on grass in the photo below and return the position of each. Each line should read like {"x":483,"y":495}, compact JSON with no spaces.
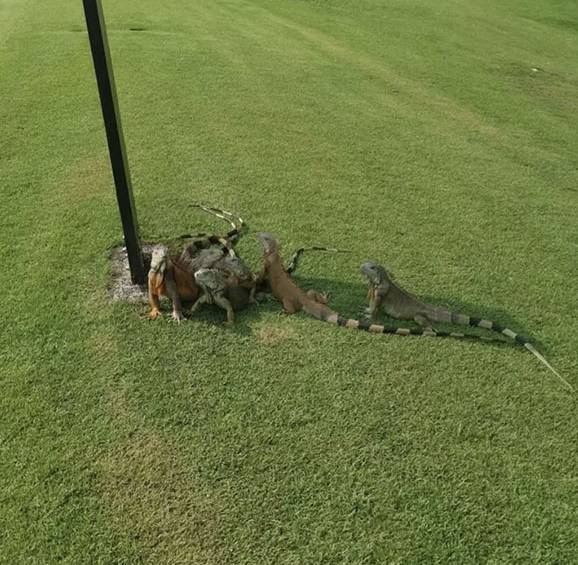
{"x":350,"y":298}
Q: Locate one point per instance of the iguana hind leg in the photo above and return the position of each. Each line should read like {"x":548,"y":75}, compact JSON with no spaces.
{"x":321,"y":297}
{"x":423,"y":321}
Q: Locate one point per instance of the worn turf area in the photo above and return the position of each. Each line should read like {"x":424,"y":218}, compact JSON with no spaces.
{"x":437,"y":137}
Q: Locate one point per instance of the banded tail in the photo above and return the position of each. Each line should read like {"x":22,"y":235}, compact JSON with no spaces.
{"x":236,"y":221}
{"x":477,"y":322}
{"x":323,"y":312}
{"x":230,"y":239}
{"x":443,"y":315}
{"x":296,"y":257}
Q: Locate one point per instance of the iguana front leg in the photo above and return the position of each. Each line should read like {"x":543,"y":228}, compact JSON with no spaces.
{"x":174,"y":296}
{"x":375,"y":300}
{"x":198,"y":303}
{"x":289,"y":306}
{"x":153,"y":299}
{"x":221,"y":301}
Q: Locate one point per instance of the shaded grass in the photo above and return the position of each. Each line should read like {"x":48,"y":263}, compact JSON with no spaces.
{"x":414,"y":133}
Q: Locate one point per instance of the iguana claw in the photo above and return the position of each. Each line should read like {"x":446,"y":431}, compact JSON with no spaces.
{"x":178,"y":317}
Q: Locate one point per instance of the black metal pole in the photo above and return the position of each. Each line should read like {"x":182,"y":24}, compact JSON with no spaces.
{"x":116,"y":149}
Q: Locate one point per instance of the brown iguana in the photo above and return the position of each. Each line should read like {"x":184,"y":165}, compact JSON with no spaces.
{"x":169,"y":278}
{"x":400,"y":304}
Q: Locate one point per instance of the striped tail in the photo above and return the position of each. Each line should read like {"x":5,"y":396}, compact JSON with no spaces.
{"x":476,"y":322}
{"x":296,"y":257}
{"x":236,"y":221}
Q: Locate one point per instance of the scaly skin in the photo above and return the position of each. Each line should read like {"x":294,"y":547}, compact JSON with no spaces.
{"x":168,"y":279}
{"x":232,"y":287}
{"x":398,"y":303}
{"x":284,"y":288}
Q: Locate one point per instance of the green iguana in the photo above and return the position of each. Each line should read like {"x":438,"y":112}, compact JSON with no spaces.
{"x":397,"y":303}
{"x":231,"y":286}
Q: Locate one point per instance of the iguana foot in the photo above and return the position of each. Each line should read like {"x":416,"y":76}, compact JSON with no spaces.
{"x":178,"y":317}
{"x":324,"y":297}
{"x":153,"y":314}
{"x":366,"y":314}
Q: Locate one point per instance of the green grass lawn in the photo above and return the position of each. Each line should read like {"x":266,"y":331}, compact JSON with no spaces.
{"x":438,"y":137}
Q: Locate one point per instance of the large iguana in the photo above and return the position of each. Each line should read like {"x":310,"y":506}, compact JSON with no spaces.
{"x":384,"y":293}
{"x":295,"y":299}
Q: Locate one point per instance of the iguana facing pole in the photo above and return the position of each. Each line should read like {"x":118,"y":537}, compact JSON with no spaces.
{"x":398,"y":303}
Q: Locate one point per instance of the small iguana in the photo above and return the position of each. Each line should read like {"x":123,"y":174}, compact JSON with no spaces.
{"x":398,"y":303}
{"x":168,"y":278}
{"x":231,"y":286}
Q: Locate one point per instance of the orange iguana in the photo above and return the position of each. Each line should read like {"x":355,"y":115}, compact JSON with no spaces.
{"x":295,"y":299}
{"x":168,"y":278}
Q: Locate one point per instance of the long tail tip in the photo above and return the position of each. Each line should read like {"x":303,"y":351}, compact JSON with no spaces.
{"x":532,"y":350}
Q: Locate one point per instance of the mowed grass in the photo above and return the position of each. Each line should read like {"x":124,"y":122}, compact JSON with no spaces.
{"x":436,"y":137}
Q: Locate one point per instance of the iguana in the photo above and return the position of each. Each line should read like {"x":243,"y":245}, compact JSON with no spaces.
{"x":232,"y":287}
{"x":174,"y":277}
{"x":169,"y":278}
{"x":398,"y":303}
{"x":294,"y":299}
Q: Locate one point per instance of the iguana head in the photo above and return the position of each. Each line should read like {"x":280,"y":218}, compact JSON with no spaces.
{"x":159,"y":258}
{"x":268,"y":242}
{"x":374,"y":272}
{"x":237,"y":268}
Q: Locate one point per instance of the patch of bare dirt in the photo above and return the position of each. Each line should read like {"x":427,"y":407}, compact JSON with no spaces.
{"x":120,"y":286}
